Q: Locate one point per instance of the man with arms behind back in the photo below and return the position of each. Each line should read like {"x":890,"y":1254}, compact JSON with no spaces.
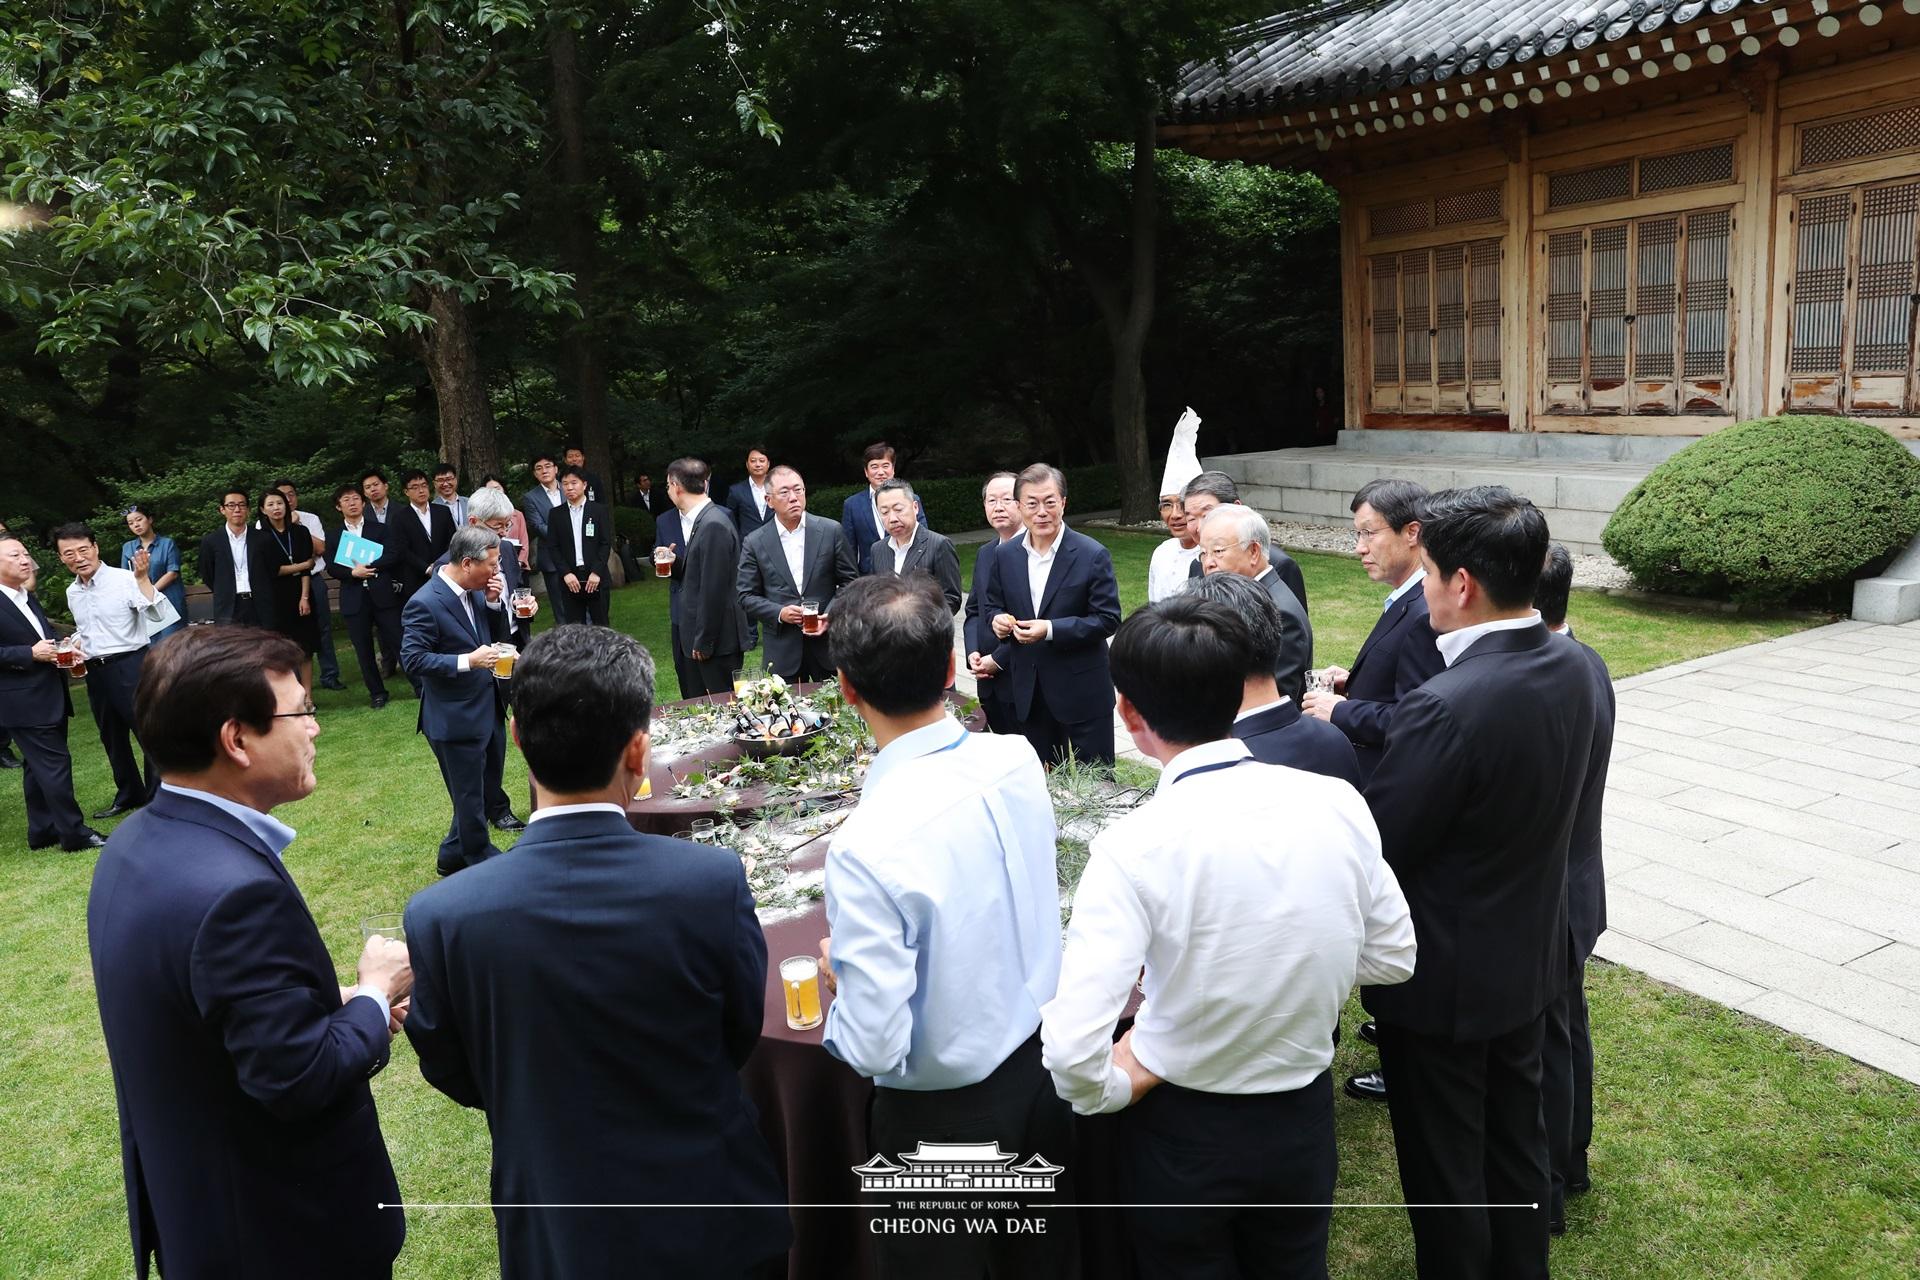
{"x":240,"y":1066}
{"x":595,"y":992}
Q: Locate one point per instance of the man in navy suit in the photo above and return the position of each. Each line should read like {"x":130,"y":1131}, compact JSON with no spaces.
{"x":1269,"y":721}
{"x":1003,"y":517}
{"x":247,"y":1129}
{"x":450,"y":627}
{"x":35,"y":707}
{"x":419,"y":532}
{"x":492,"y":509}
{"x":1400,"y":653}
{"x":369,"y":593}
{"x":1052,"y":602}
{"x":595,"y":992}
{"x":1566,"y":1062}
{"x":580,"y":541}
{"x":749,"y":502}
{"x":860,"y":514}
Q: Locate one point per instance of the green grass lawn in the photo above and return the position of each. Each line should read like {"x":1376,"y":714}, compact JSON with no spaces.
{"x":1724,"y":1147}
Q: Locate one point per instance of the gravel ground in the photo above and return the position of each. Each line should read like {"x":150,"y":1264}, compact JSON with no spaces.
{"x":1596,"y":572}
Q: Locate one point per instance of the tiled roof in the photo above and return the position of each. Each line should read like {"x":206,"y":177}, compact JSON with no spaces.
{"x":1342,"y":49}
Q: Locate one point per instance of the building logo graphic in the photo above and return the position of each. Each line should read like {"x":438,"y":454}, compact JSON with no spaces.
{"x":958,"y":1167}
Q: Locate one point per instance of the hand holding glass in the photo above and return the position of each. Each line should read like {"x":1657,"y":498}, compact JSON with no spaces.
{"x":800,"y":979}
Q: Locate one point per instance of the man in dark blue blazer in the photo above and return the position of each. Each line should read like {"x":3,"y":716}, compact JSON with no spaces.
{"x":595,"y":992}
{"x":248,"y":1134}
{"x":35,"y":706}
{"x":1270,"y":722}
{"x":492,"y":509}
{"x":1052,"y":651}
{"x":1003,"y":517}
{"x":748,"y":500}
{"x":860,"y":514}
{"x":1566,"y":1063}
{"x":369,"y":593}
{"x":449,"y":629}
{"x":1400,"y":653}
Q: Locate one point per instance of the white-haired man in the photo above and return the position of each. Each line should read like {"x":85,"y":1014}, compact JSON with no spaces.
{"x":1235,"y":539}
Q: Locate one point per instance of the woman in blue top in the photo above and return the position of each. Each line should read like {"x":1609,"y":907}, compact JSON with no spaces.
{"x":163,"y":564}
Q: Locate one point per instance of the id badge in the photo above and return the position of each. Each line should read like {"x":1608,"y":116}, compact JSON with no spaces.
{"x":590,"y":529}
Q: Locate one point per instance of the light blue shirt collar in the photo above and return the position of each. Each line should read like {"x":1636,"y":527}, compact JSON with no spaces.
{"x":942,"y":735}
{"x":276,"y":833}
{"x":1419,"y":575}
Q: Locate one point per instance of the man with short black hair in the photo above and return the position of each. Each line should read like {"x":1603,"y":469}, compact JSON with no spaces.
{"x":1566,"y":1064}
{"x":792,"y":558}
{"x":860,"y":520}
{"x":922,"y":551}
{"x":574,"y":456}
{"x":1243,"y":898}
{"x":229,"y":557}
{"x":1269,"y":721}
{"x":1052,"y":601}
{"x":249,"y":1138}
{"x":419,"y":533}
{"x":943,"y":903}
{"x":580,"y":538}
{"x":712,"y":631}
{"x":446,"y":491}
{"x":321,"y":604}
{"x":748,"y":501}
{"x":373,"y":487}
{"x":35,"y":707}
{"x":116,"y":612}
{"x":1235,"y":539}
{"x":596,"y":992}
{"x":451,"y":626}
{"x":1213,"y":489}
{"x":1476,"y":798}
{"x":369,"y":591}
{"x":537,"y":506}
{"x":1003,"y":517}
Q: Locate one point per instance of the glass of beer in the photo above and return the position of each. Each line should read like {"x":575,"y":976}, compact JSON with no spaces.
{"x":663,"y":558}
{"x":504,"y":656}
{"x":739,"y":682}
{"x":66,"y":653}
{"x":800,"y":978}
{"x":812,"y":621}
{"x":523,"y":604}
{"x":1319,"y":682}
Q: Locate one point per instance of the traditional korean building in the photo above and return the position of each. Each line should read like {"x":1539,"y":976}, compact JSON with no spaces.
{"x":958,"y":1167}
{"x":1576,"y":236}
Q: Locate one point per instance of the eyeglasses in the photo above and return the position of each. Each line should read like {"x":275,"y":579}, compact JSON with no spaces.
{"x":1367,"y":535}
{"x":308,"y":710}
{"x":233,"y":506}
{"x":1041,"y":504}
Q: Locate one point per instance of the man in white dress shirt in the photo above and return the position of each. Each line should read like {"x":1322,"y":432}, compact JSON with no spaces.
{"x":114,"y":611}
{"x":945,"y":919}
{"x":1255,"y":896}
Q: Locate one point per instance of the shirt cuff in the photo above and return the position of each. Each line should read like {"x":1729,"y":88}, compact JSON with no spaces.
{"x":463,"y":662}
{"x":1118,"y":1094}
{"x":379,"y":997}
{"x":1049,"y":622}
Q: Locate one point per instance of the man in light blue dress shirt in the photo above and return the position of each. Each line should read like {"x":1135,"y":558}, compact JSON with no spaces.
{"x":944,"y":908}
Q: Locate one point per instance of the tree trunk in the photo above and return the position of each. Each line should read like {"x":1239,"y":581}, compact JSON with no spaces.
{"x":579,"y":246}
{"x":1128,"y":332}
{"x":467,"y":436}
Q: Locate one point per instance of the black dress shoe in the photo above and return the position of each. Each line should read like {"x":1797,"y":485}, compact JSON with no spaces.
{"x":335,"y":685}
{"x":8,"y":760}
{"x":1579,"y":1186}
{"x":92,"y":840}
{"x":1371,"y":1087}
{"x":1557,"y":1226}
{"x":509,"y":823}
{"x":446,"y":870}
{"x":1370,"y":1031}
{"x":378,"y":700}
{"x":113,"y":810}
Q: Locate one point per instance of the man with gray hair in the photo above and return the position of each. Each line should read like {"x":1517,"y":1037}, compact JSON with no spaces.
{"x":448,"y":632}
{"x":1214,"y":489}
{"x":1235,"y":539}
{"x":492,"y":509}
{"x":922,"y":549}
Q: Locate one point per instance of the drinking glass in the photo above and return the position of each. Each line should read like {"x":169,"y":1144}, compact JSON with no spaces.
{"x":387,"y":924}
{"x":523,"y":603}
{"x":1319,"y":682}
{"x":702,"y":830}
{"x":800,"y":979}
{"x":812,"y":621}
{"x":739,"y":682}
{"x":663,"y":558}
{"x":504,"y":656}
{"x":66,"y":653}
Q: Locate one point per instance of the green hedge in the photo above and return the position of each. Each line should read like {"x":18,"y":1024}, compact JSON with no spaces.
{"x":953,"y":506}
{"x":636,"y":527}
{"x":1768,"y":510}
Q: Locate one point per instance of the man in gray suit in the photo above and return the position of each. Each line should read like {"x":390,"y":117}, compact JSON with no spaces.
{"x":792,"y":558}
{"x":1236,"y":539}
{"x":907,"y":545}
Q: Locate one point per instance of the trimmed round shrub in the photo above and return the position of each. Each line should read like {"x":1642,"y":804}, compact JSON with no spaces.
{"x":1767,"y":510}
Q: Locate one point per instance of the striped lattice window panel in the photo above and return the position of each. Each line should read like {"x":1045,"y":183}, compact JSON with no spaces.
{"x":1416,"y":344}
{"x":1483,"y":310}
{"x":1655,"y":296}
{"x":1709,"y":236}
{"x":1450,"y":314}
{"x":1607,"y":305}
{"x":1821,"y":227}
{"x":1885,"y":291}
{"x":1384,"y":300}
{"x":1566,"y":273}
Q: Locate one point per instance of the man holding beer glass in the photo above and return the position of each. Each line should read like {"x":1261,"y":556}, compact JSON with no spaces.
{"x":449,"y":630}
{"x":35,"y":707}
{"x":790,"y":569}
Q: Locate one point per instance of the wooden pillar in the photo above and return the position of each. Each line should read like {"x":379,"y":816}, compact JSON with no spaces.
{"x":1516,"y":320}
{"x":1355,"y":375}
{"x":1758,"y":293}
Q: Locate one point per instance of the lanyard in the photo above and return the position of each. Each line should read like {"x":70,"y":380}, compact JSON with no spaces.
{"x":1211,"y":768}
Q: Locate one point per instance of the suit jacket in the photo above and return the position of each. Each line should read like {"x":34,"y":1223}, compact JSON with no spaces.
{"x":666,"y":533}
{"x":976,"y":625}
{"x":766,"y":584}
{"x":1475,"y":799}
{"x":708,"y":571}
{"x":861,"y":530}
{"x":216,"y":570}
{"x":594,"y":549}
{"x":1082,"y":600}
{"x":517,"y":631}
{"x":33,"y":695}
{"x":1296,"y":648}
{"x":930,"y":553}
{"x":416,"y":548}
{"x":537,"y":508}
{"x":380,"y":592}
{"x":455,"y":705}
{"x":1281,"y":735}
{"x":746,"y":513}
{"x":1283,"y":564}
{"x":1586,"y":872}
{"x":248,"y":1133}
{"x":1400,"y":655}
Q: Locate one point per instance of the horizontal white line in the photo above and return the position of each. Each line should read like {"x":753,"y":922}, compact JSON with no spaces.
{"x":1038,"y":1204}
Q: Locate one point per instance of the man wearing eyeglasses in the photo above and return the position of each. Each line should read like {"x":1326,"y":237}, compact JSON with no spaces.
{"x":1003,"y":517}
{"x":792,"y":558}
{"x":228,"y":557}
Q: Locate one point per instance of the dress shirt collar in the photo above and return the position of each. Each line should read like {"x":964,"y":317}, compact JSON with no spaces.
{"x":1418,"y":576}
{"x":277,"y":834}
{"x":19,"y":597}
{"x":798,"y":531}
{"x":1454,"y":643}
{"x":1263,"y":573}
{"x":1050,"y":552}
{"x":1219,"y":751}
{"x":578,"y":506}
{"x":354,"y":526}
{"x":900,"y":552}
{"x":1262,"y":708}
{"x":694,"y":512}
{"x":1562,"y":630}
{"x":942,"y":735}
{"x":567,"y":810}
{"x":239,"y":540}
